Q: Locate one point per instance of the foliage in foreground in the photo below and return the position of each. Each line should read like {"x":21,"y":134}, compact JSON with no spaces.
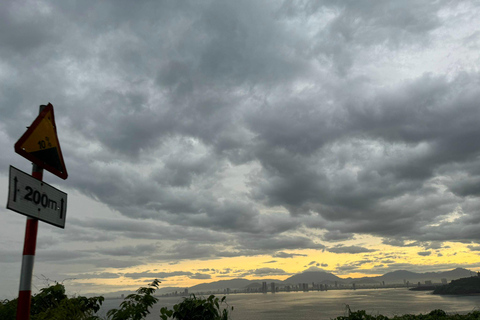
{"x":194,"y":308}
{"x":136,"y":306}
{"x":52,"y":303}
{"x":433,"y":315}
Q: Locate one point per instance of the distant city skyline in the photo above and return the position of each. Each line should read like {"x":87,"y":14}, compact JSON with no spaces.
{"x":217,"y":139}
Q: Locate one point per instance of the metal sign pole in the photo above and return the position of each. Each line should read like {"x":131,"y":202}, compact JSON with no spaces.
{"x":29,"y":245}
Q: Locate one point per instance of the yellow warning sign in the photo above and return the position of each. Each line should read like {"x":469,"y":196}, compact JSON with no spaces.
{"x":43,"y":137}
{"x":40,"y":144}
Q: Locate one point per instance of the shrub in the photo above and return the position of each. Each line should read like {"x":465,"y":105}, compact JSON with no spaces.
{"x":53,"y":304}
{"x":136,"y":306}
{"x":194,"y":308}
{"x":8,"y":309}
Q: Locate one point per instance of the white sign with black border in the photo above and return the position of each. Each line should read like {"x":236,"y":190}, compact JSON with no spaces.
{"x":36,"y":199}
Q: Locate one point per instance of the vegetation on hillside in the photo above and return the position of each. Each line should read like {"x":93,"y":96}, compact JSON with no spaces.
{"x":469,"y":285}
{"x":433,"y":315}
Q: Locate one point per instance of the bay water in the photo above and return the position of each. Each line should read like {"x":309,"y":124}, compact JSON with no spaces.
{"x":324,"y":305}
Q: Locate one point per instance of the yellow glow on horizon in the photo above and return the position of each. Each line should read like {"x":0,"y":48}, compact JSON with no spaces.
{"x":385,"y":257}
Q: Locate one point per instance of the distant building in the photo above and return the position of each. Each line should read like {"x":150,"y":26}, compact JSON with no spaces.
{"x":186,"y":291}
{"x":444,"y":281}
{"x":428,"y":282}
{"x":264,"y":287}
{"x":272,"y":285}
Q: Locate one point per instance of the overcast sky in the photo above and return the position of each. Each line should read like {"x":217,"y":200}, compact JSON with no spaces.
{"x":209,"y":140}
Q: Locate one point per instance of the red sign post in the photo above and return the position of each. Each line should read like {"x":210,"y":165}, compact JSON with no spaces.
{"x":29,"y":245}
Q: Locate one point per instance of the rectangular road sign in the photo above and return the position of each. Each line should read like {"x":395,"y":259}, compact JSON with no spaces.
{"x":36,"y":199}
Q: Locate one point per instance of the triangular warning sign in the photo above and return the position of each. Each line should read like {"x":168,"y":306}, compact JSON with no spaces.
{"x":40,"y":145}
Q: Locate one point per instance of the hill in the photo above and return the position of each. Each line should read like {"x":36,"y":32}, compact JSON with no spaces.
{"x":470,"y":285}
{"x":400,"y":275}
{"x":313,"y":276}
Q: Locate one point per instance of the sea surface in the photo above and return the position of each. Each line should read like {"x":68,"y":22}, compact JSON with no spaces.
{"x":324,"y":305}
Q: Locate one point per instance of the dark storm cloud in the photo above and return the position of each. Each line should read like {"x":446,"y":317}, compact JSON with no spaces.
{"x":284,"y":255}
{"x":102,"y":275}
{"x":229,"y":128}
{"x":468,"y":186}
{"x":354,"y":26}
{"x":61,"y":256}
{"x":160,"y":275}
{"x":133,"y":251}
{"x":114,"y":263}
{"x":265,"y":272}
{"x":295,"y":182}
{"x":201,"y":276}
{"x":425,"y":119}
{"x":337,"y":236}
{"x":424,"y":253}
{"x":313,"y":269}
{"x":278,"y":242}
{"x":474,"y":248}
{"x":349,"y":249}
{"x":398,"y":242}
{"x":352,"y":266}
{"x":130,"y":228}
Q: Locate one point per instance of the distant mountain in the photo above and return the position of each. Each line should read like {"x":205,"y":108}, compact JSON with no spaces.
{"x":400,"y":275}
{"x":313,"y":276}
{"x":254,"y":285}
{"x":321,"y":276}
{"x":169,"y":290}
{"x":458,"y":273}
{"x":222,"y":284}
{"x":318,"y":277}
